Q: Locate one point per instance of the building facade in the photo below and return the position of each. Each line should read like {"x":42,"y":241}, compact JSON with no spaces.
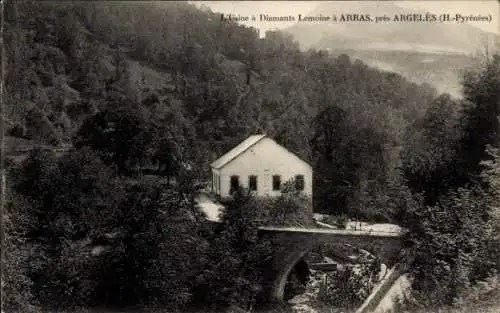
{"x":261,"y":165}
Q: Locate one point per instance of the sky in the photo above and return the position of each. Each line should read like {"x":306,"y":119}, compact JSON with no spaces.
{"x":281,"y":8}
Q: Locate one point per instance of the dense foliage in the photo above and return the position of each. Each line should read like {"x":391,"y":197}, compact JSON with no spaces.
{"x":156,"y":239}
{"x":165,"y":87}
{"x":199,"y":75}
{"x":99,"y":239}
{"x":455,"y":227}
{"x":16,"y":284}
{"x":236,"y":274}
{"x":350,"y":286}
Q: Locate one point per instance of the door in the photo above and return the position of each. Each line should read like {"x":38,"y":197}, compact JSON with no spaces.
{"x":266,"y":183}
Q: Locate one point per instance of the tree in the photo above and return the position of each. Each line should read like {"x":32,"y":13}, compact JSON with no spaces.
{"x":238,"y":261}
{"x":16,"y":284}
{"x":452,"y":242}
{"x":157,"y":240}
{"x":331,"y":187}
{"x":71,"y":199}
{"x":173,"y":143}
{"x":430,"y":155}
{"x":33,"y":175}
{"x":481,"y":88}
{"x":491,"y":178}
{"x":121,"y":137}
{"x":455,"y":230}
{"x":491,"y":173}
{"x":168,"y":158}
{"x":445,"y":153}
{"x":345,"y":155}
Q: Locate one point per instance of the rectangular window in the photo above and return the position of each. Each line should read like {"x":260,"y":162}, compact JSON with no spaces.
{"x":252,"y":182}
{"x":299,"y":182}
{"x":234,"y":183}
{"x":276,"y":182}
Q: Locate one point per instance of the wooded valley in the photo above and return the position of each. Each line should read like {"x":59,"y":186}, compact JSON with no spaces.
{"x":142,"y":97}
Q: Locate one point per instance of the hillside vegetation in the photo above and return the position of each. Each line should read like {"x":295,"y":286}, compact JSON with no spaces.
{"x":135,"y":88}
{"x":156,"y":58}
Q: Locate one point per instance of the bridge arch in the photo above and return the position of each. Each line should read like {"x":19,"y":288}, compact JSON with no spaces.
{"x":281,"y":279}
{"x":297,"y":259}
{"x":290,"y":245}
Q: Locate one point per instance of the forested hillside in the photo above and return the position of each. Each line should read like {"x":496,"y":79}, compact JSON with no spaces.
{"x":131,"y":87}
{"x":218,"y":81}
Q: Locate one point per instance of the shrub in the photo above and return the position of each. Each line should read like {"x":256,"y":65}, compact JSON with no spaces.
{"x":147,"y":231}
{"x":16,"y":131}
{"x":70,"y":200}
{"x":456,"y":240}
{"x":158,"y":253}
{"x":68,"y":279}
{"x":16,"y":284}
{"x":349,"y":287}
{"x":452,"y":245}
{"x":350,"y":284}
{"x":291,"y":208}
{"x":481,"y":291}
{"x":237,"y":261}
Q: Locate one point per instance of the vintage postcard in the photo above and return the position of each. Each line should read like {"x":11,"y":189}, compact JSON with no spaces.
{"x":241,"y":156}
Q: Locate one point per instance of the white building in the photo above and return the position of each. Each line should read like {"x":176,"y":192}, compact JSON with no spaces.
{"x":262,"y":166}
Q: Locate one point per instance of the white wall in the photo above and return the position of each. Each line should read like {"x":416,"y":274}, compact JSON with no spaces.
{"x":265,"y":159}
{"x":215,"y":181}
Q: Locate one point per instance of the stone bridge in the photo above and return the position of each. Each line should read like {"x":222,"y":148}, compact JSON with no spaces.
{"x":290,"y":245}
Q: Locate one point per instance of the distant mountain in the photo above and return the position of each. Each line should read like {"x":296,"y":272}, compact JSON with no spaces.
{"x":423,"y":52}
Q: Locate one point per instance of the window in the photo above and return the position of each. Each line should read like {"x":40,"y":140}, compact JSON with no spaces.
{"x":276,"y":182}
{"x":234,"y":184}
{"x":299,"y":182}
{"x":252,"y":182}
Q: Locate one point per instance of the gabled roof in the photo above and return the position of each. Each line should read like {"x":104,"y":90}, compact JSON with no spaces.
{"x":236,"y":151}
